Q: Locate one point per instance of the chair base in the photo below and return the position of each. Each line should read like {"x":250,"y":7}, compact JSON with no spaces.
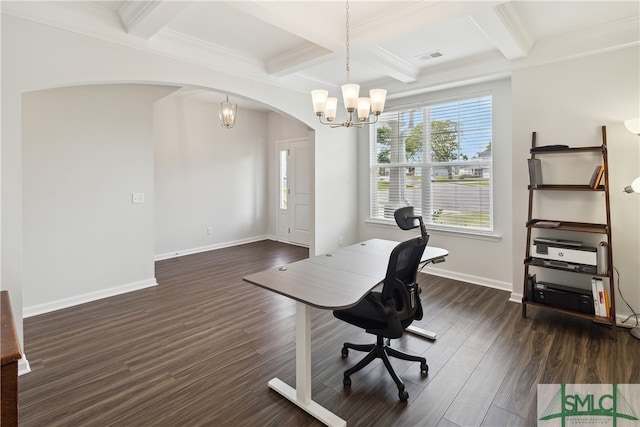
{"x":381,"y":351}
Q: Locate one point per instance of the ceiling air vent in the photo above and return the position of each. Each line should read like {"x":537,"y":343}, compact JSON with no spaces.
{"x":430,"y":55}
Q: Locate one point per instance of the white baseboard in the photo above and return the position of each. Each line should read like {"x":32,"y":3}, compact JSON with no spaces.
{"x":23,"y":365}
{"x":88,"y":297}
{"x":183,"y":252}
{"x":483,"y":281}
{"x":516,"y":297}
{"x":105,"y":293}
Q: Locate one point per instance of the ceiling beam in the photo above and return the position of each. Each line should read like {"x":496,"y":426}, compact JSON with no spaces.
{"x":504,"y":27}
{"x":325,"y":38}
{"x":292,"y":17}
{"x":145,"y":18}
{"x":390,"y":64}
{"x":321,"y":36}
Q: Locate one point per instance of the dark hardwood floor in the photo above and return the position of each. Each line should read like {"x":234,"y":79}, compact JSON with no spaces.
{"x":199,"y":348}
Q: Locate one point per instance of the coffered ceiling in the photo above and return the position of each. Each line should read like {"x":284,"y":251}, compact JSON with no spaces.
{"x":404,"y":46}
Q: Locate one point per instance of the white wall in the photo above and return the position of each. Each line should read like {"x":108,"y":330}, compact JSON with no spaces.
{"x":208,"y":176}
{"x":475,"y":259}
{"x":37,"y":57}
{"x":591,"y":91}
{"x":85,"y":151}
{"x":567,"y":103}
{"x":341,"y":207}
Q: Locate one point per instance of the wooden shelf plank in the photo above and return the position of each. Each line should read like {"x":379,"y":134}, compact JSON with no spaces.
{"x":593,"y":148}
{"x":584,"y":227}
{"x":566,"y":187}
{"x":600,"y":319}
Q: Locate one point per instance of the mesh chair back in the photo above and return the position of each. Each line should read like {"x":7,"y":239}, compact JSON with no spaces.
{"x":400,"y":290}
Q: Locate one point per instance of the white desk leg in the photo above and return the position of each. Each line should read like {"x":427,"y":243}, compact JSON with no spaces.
{"x":303,"y":353}
{"x":421,"y":332}
{"x":301,"y":395}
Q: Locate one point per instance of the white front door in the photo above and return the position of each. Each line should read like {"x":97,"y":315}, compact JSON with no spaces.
{"x":294,"y":191}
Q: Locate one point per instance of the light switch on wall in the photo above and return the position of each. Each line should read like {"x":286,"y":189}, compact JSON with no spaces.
{"x":137,"y":197}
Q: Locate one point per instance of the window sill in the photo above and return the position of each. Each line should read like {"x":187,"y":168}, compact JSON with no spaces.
{"x":444,"y":231}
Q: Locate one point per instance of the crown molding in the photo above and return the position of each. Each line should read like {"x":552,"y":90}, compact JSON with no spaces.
{"x":614,"y":35}
{"x":516,"y":25}
{"x":80,"y":17}
{"x":296,"y":59}
{"x":104,"y":24}
{"x":145,"y":18}
{"x":95,"y":21}
{"x":469,"y":70}
{"x":133,"y":12}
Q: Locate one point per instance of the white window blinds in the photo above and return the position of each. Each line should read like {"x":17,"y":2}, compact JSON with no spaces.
{"x":436,"y":157}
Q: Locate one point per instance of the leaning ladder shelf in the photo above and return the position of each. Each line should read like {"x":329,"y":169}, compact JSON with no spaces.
{"x":578,"y":227}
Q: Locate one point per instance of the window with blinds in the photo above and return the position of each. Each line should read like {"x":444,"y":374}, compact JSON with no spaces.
{"x":436,"y":157}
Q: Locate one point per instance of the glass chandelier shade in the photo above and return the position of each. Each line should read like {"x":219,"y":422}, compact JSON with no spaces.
{"x":227,"y":114}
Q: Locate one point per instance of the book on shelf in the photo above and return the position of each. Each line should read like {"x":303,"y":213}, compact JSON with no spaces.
{"x":535,"y":172}
{"x":545,"y":148}
{"x":596,"y":177}
{"x":547,"y":224}
{"x":594,"y":291}
{"x":600,"y":297}
{"x":607,"y":304}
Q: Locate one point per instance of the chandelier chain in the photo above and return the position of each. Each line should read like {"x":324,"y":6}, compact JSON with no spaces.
{"x":348,"y":47}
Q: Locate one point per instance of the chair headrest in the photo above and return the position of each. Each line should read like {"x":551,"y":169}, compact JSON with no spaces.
{"x":405,"y":218}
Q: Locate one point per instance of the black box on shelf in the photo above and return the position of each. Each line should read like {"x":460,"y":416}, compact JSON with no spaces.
{"x":569,"y":266}
{"x":531,"y":283}
{"x":565,"y":297}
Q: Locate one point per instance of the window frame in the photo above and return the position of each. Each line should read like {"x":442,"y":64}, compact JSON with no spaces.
{"x":429,"y":165}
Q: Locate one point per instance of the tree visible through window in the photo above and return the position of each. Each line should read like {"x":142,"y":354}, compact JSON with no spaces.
{"x":438,"y":159}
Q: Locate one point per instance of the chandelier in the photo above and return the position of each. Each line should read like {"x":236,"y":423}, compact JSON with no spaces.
{"x":227,"y":113}
{"x":325,"y":106}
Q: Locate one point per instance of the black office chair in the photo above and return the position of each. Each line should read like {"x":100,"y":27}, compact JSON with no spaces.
{"x":386,"y":314}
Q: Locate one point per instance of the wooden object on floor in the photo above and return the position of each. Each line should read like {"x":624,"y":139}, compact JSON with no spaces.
{"x":551,"y":226}
{"x":10,"y":354}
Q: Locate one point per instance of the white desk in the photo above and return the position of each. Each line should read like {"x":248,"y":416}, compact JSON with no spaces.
{"x":336,"y":280}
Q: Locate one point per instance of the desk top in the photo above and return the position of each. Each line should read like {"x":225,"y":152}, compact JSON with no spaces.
{"x":338,"y":279}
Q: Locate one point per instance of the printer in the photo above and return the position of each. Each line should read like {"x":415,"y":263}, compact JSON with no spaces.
{"x":566,"y":254}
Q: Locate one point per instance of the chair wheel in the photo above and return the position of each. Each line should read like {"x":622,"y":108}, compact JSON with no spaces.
{"x":345,"y":352}
{"x":424,"y":369}
{"x":403,"y":395}
{"x":346,"y":382}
